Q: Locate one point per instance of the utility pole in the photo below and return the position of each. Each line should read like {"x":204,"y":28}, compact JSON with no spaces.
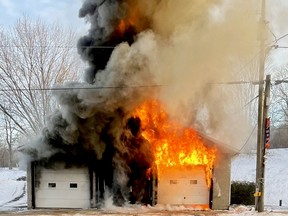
{"x":259,"y":205}
{"x":265,"y":144}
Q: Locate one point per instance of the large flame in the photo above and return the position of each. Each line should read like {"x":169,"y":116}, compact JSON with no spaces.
{"x":172,"y":144}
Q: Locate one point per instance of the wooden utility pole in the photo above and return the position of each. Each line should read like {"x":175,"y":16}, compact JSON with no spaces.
{"x":266,"y":142}
{"x":259,"y":205}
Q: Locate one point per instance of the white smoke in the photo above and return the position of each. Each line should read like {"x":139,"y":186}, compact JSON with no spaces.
{"x":186,"y":48}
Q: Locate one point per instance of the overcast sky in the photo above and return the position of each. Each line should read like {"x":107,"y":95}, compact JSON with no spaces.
{"x":66,"y":13}
{"x":63,"y":11}
{"x":277,"y":18}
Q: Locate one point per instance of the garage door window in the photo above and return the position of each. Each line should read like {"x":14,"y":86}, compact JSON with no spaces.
{"x":193,"y":181}
{"x":173,"y":181}
{"x":73,"y":185}
{"x":52,"y":185}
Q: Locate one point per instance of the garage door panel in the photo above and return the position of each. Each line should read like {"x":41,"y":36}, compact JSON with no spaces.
{"x":63,"y":194}
{"x":64,"y":178}
{"x":186,"y":185}
{"x":61,"y":203}
{"x":65,"y":188}
{"x":63,"y":175}
{"x":43,"y":185}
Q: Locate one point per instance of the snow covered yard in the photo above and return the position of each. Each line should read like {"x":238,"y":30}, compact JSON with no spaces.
{"x":12,"y":189}
{"x":276,"y":174}
{"x":13,"y":197}
{"x":145,"y":211}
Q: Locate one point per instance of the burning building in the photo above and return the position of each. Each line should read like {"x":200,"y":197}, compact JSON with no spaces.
{"x":113,"y":136}
{"x":160,"y":162}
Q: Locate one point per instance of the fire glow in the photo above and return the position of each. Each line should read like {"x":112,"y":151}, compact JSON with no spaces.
{"x":128,"y":22}
{"x":173,"y":145}
{"x":133,"y":20}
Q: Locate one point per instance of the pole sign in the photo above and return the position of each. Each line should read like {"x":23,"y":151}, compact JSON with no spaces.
{"x":267,"y":133}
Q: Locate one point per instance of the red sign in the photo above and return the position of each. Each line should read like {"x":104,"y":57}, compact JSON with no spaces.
{"x":267,"y":133}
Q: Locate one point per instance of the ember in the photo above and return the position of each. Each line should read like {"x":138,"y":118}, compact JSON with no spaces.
{"x":173,"y":145}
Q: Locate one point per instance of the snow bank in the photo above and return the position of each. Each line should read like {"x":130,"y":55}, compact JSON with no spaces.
{"x":243,"y":167}
{"x":276,"y":177}
{"x":14,"y":174}
{"x":13,"y":189}
{"x":276,"y":174}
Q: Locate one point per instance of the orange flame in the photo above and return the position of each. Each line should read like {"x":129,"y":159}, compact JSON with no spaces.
{"x":133,"y":19}
{"x":172,"y":144}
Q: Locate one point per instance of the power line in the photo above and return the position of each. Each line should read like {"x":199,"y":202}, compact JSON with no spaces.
{"x":268,"y":46}
{"x":237,"y":82}
{"x":277,"y":82}
{"x":255,"y":82}
{"x":60,"y":46}
{"x":280,"y":38}
{"x":281,"y":47}
{"x":241,"y":108}
{"x":79,"y":88}
{"x":247,"y":140}
{"x":110,"y":87}
{"x":272,"y":33}
{"x":251,"y":101}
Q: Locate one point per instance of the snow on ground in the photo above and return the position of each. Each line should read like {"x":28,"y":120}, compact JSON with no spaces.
{"x":243,"y":167}
{"x":13,"y":192}
{"x":12,"y":189}
{"x":276,"y":174}
{"x":144,"y":211}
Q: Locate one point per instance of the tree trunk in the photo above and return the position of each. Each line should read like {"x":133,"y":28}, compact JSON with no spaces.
{"x":10,"y":157}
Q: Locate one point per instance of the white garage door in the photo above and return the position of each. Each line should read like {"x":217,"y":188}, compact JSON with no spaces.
{"x":186,"y":186}
{"x":65,"y":188}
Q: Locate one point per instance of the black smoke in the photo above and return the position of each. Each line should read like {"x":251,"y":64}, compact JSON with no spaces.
{"x":104,"y":16}
{"x":95,"y":127}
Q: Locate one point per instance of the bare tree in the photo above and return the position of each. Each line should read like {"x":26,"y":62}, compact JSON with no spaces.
{"x":279,"y":109}
{"x":10,"y":138}
{"x":34,"y":56}
{"x":280,"y":97}
{"x":3,"y":153}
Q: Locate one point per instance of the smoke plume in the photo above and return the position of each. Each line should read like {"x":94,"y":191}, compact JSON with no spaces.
{"x":138,"y":50}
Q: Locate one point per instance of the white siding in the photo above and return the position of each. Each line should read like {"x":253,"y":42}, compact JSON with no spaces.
{"x":62,"y":196}
{"x":185,"y":186}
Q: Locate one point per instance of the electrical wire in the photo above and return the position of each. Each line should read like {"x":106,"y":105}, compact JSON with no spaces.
{"x":281,"y":47}
{"x":280,"y":38}
{"x":79,"y":88}
{"x":277,"y":82}
{"x":237,"y":82}
{"x":250,"y":101}
{"x":60,"y":46}
{"x":240,"y":109}
{"x":247,"y":140}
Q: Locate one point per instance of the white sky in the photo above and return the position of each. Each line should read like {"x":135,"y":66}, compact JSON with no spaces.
{"x":277,"y":18}
{"x":66,"y":12}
